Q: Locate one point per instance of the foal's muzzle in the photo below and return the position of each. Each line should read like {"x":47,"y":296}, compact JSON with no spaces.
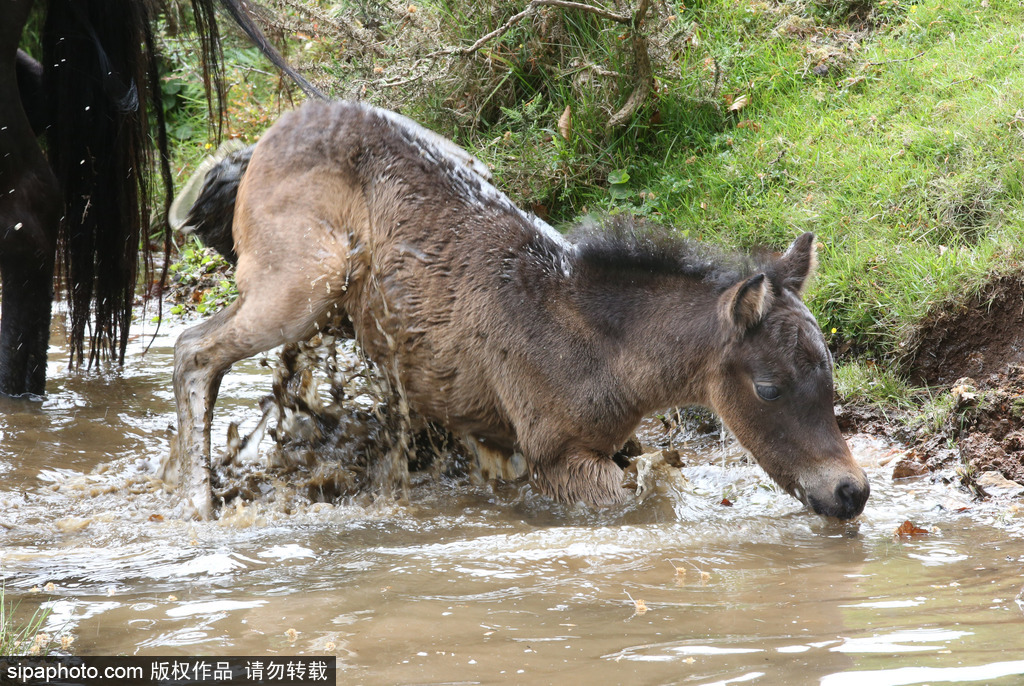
{"x":847,"y":500}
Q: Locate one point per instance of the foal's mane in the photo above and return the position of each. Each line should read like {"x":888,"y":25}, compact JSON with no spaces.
{"x":623,"y":246}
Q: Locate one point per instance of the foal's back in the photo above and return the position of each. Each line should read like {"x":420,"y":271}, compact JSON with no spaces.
{"x":349,"y":210}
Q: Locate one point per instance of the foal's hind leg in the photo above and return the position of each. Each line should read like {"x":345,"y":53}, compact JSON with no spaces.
{"x":260,"y":319}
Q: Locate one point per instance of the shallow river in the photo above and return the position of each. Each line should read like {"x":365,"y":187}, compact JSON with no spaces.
{"x":467,"y":585}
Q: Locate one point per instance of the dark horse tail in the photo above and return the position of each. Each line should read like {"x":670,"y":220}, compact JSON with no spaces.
{"x":212,"y":213}
{"x":102,"y":80}
{"x":100,"y":77}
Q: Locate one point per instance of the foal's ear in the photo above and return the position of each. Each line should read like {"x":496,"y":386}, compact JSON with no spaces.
{"x":798,"y":263}
{"x":746,"y":303}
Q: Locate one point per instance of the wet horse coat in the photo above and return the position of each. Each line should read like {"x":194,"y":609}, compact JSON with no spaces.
{"x":500,"y":328}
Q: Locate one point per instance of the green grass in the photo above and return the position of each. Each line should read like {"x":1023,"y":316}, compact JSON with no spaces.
{"x":21,"y":636}
{"x":870,"y":383}
{"x":911,"y":183}
{"x":892,"y":129}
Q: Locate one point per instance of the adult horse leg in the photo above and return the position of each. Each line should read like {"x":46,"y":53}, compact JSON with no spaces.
{"x":29,"y":214}
{"x":31,"y":91}
{"x":27,"y":246}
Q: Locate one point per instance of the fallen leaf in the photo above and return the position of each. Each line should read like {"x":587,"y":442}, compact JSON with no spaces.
{"x":565,"y":123}
{"x":726,"y":502}
{"x":739,"y":103}
{"x":909,"y":530}
{"x":680,"y":572}
{"x":908,"y":468}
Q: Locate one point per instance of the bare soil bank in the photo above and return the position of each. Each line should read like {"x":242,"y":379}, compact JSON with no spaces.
{"x":974,"y":352}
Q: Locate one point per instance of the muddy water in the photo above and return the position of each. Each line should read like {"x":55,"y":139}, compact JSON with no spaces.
{"x":466,"y":584}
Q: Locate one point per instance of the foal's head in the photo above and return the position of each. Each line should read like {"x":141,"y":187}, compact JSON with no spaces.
{"x":775,"y":389}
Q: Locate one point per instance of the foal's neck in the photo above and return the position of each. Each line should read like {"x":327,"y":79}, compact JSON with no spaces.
{"x":665,"y":334}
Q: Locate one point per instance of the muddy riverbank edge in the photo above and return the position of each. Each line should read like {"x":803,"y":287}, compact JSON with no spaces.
{"x":967,"y":433}
{"x":965,"y":416}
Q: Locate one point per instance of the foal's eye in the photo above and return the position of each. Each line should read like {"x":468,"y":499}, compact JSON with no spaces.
{"x":767,"y":392}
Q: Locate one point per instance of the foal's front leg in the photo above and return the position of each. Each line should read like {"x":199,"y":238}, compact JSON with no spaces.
{"x":580,"y":474}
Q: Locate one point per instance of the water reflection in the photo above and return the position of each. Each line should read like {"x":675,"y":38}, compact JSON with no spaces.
{"x":988,"y":674}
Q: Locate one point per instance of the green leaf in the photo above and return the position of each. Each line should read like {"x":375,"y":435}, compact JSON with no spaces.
{"x":171,"y":86}
{"x":618,"y":177}
{"x":618,"y":180}
{"x":620,"y":191}
{"x":183,"y":132}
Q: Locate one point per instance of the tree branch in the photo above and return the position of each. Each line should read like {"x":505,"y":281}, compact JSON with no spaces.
{"x":642,"y":67}
{"x":599,"y":11}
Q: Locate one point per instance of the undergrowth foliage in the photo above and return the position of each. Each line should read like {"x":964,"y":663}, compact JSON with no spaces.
{"x":554,"y":94}
{"x":203,"y":282}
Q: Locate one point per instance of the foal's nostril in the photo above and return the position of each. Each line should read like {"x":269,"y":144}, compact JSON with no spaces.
{"x":850,"y":498}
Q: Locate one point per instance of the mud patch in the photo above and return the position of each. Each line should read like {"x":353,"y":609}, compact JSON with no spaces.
{"x":990,"y":423}
{"x":975,"y":350}
{"x":970,"y":355}
{"x":979,"y":338}
{"x":963,"y":434}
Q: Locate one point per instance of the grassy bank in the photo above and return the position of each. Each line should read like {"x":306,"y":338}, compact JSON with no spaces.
{"x":892,"y":129}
